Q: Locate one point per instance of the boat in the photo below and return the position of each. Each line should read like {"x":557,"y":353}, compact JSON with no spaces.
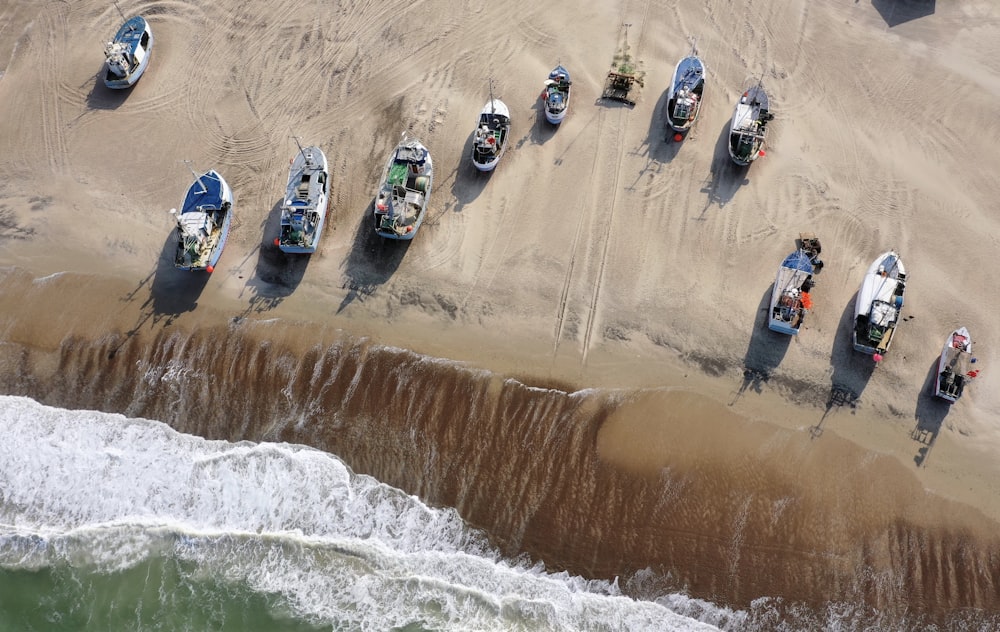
{"x":790,"y":297}
{"x":303,"y":213}
{"x":405,"y":190}
{"x":878,"y":304}
{"x":492,"y":134}
{"x":127,"y":55}
{"x":686,"y":91}
{"x":203,"y":222}
{"x":954,"y":366}
{"x":556,"y":95}
{"x":749,"y":125}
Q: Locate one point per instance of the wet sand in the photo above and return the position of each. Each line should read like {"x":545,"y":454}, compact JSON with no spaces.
{"x":597,"y":256}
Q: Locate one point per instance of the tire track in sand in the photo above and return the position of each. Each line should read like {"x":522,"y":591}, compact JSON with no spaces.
{"x":603,"y":239}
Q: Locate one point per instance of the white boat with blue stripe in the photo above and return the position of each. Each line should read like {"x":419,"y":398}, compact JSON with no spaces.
{"x":685,"y":94}
{"x":307,"y":196}
{"x":127,"y":55}
{"x":203,"y":223}
{"x":556,"y":95}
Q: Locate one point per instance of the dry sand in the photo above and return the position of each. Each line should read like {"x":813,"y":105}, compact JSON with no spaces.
{"x":598,"y":254}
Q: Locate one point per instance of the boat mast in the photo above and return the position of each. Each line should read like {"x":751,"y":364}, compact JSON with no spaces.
{"x":120,"y":12}
{"x":204,"y":189}
{"x":493,"y":105}
{"x":307,"y":157}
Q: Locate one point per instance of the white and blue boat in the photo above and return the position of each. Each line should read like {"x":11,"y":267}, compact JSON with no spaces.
{"x":790,"y":299}
{"x":405,"y":191}
{"x":490,"y":140}
{"x":307,"y":196}
{"x":556,"y":95}
{"x":203,"y":222}
{"x":879,"y":302}
{"x":686,"y":91}
{"x":955,"y":366}
{"x":127,"y":55}
{"x":748,"y":127}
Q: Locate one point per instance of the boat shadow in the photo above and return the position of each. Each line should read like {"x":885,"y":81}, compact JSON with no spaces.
{"x":895,"y":12}
{"x":658,"y":147}
{"x":102,"y":97}
{"x":930,"y":414}
{"x":371,"y":262}
{"x":277,"y":274}
{"x":851,"y":370}
{"x":468,"y":182}
{"x":726,"y":177}
{"x":171,"y":292}
{"x":765,"y":351}
{"x":541,"y":130}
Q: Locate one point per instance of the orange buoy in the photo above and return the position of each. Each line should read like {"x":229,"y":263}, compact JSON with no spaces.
{"x":277,"y":241}
{"x":762,"y":154}
{"x":210,"y":269}
{"x":678,"y":137}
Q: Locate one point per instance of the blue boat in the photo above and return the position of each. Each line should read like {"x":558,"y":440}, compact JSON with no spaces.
{"x":790,"y":298}
{"x":404,"y":191}
{"x":685,"y":94}
{"x":203,"y":223}
{"x":556,"y":95}
{"x":127,"y":55}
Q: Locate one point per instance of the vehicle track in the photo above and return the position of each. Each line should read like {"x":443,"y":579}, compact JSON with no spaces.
{"x":603,"y":240}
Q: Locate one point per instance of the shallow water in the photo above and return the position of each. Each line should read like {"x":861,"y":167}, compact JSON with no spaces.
{"x":653,"y":495}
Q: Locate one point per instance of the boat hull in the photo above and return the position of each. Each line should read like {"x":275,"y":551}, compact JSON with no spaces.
{"x":878,"y":304}
{"x":490,"y":140}
{"x":556,"y":95}
{"x":790,"y":295}
{"x":307,"y":198}
{"x":953,"y":366}
{"x":137,"y":37}
{"x":748,"y":125}
{"x":404,"y":192}
{"x":686,"y":90}
{"x":216,"y":201}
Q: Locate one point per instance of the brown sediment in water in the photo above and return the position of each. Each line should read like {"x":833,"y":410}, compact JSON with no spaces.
{"x":602,"y":483}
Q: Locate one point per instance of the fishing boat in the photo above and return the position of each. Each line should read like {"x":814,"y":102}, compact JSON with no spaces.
{"x":203,"y":222}
{"x":790,"y":297}
{"x":878,"y":305}
{"x":556,"y":95}
{"x":303,"y":213}
{"x":749,"y":125}
{"x":686,"y":91}
{"x":127,"y":55}
{"x":492,"y":133}
{"x":954,"y":366}
{"x":405,"y":190}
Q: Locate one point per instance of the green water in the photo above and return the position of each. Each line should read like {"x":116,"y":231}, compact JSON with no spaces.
{"x":160,"y":594}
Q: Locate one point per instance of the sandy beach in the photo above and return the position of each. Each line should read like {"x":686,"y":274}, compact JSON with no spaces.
{"x":627,"y":273}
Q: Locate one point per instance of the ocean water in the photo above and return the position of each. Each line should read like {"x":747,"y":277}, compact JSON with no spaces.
{"x":116,"y":523}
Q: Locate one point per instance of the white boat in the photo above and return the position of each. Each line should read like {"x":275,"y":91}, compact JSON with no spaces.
{"x":405,"y":190}
{"x":685,"y":94}
{"x":556,"y":95}
{"x":492,"y":134}
{"x":790,"y":297}
{"x":303,"y":214}
{"x":127,"y":55}
{"x":748,"y":128}
{"x":954,"y":366}
{"x":878,"y":305}
{"x":203,"y":222}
